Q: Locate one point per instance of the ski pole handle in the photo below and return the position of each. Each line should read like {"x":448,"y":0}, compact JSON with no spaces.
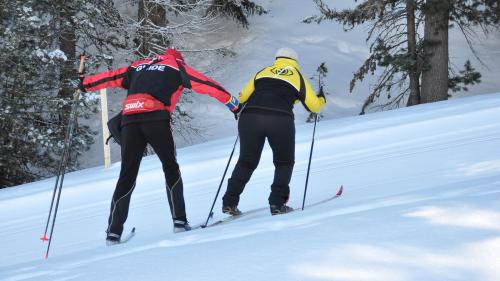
{"x":81,"y":70}
{"x":82,"y":64}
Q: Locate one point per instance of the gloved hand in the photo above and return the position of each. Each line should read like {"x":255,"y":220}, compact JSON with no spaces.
{"x":321,"y":94}
{"x":233,"y":104}
{"x":80,"y":84}
{"x":237,"y":111}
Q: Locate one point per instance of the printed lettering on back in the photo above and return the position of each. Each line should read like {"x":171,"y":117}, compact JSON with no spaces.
{"x":154,"y":67}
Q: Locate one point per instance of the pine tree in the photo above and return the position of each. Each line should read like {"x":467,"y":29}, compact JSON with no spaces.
{"x":238,"y":10}
{"x":440,"y":15}
{"x":37,"y":86}
{"x":402,"y":53}
{"x":394,"y":48}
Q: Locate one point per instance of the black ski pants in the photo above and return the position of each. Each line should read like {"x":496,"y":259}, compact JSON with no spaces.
{"x":135,"y":137}
{"x":254,"y":127}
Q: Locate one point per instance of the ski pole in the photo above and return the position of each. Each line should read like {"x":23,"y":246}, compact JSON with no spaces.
{"x":59,"y":171}
{"x":63,"y":163}
{"x":221,"y":181}
{"x":309,"y":164}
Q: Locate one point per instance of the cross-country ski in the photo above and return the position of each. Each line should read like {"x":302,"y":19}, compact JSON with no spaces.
{"x":263,"y":209}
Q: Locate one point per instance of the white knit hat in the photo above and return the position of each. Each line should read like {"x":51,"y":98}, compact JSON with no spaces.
{"x":287,"y":53}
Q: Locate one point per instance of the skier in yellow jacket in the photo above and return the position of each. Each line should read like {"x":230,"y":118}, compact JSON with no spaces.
{"x":267,"y":112}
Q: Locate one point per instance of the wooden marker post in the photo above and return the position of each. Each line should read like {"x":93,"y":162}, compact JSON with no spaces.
{"x":105,"y":131}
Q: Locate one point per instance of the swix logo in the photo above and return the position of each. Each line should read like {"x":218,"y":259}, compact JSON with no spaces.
{"x":141,"y":103}
{"x":135,"y":105}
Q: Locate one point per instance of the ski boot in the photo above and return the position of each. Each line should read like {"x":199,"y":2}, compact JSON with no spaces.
{"x":112,"y":239}
{"x":275,"y":210}
{"x":233,"y":211}
{"x":181,"y":226}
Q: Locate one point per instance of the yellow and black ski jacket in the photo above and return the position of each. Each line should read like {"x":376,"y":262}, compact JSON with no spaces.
{"x":278,"y":87}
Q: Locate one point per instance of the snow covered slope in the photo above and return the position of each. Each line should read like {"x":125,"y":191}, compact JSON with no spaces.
{"x":421,"y":202}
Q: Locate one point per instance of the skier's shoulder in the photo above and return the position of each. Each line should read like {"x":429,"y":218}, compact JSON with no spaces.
{"x":281,"y":68}
{"x":283,"y":71}
{"x":140,"y":62}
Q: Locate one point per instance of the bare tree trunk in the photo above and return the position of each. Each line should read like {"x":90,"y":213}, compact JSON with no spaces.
{"x":68,"y":73}
{"x":67,"y":44}
{"x":151,"y":14}
{"x":412,"y":51}
{"x":435,"y":72}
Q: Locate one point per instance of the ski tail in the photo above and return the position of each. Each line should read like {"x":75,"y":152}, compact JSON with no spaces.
{"x":129,"y":236}
{"x":341,"y":190}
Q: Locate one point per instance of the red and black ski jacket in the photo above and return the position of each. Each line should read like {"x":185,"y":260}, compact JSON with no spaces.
{"x":155,"y":85}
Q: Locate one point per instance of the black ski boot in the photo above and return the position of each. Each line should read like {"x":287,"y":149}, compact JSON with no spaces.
{"x":233,"y":211}
{"x":275,"y":210}
{"x":181,"y":226}
{"x":112,"y":239}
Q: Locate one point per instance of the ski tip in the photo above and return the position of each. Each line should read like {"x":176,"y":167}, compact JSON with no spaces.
{"x":44,"y":238}
{"x":341,"y":189}
{"x":46,"y":256}
{"x":133,"y":229}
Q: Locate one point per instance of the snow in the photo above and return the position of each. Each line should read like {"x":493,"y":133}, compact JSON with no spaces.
{"x":39,"y":53}
{"x":53,"y":54}
{"x":421,"y":202}
{"x":34,"y":19}
{"x":57,"y":54}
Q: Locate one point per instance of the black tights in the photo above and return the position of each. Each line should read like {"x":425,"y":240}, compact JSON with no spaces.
{"x":135,"y":138}
{"x":254,"y":127}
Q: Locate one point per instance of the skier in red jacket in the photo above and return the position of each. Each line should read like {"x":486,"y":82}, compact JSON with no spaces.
{"x":154,"y":86}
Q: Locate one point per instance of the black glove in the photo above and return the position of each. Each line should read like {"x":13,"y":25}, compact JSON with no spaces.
{"x":80,"y":84}
{"x":237,"y":111}
{"x":321,"y":94}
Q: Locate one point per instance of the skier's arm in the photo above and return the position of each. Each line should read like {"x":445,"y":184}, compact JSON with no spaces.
{"x":247,"y":91}
{"x":310,"y":100}
{"x":204,"y":85}
{"x":110,"y":78}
